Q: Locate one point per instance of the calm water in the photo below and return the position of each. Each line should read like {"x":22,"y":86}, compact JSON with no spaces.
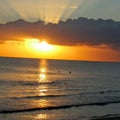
{"x":35,"y":89}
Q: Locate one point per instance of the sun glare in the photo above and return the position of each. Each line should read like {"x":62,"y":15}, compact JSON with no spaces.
{"x":39,"y":45}
{"x":44,"y":46}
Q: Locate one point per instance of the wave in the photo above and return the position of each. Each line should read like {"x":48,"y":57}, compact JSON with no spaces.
{"x":106,"y":117}
{"x":102,"y":92}
{"x":54,"y":82}
{"x":103,"y":95}
{"x":57,"y":107}
{"x":24,"y":83}
{"x":34,"y":82}
{"x":37,"y":97}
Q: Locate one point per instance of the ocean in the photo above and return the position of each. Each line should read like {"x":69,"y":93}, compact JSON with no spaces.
{"x":39,"y":89}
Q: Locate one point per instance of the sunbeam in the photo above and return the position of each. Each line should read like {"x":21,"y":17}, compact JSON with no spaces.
{"x":47,"y":10}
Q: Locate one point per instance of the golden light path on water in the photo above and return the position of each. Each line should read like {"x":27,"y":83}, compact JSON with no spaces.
{"x":42,"y":78}
{"x":42,"y":89}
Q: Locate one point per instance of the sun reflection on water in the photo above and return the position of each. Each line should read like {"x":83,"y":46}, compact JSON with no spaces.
{"x":43,"y":71}
{"x":42,"y":75}
{"x":41,"y":116}
{"x":42,"y":88}
{"x":42,"y":91}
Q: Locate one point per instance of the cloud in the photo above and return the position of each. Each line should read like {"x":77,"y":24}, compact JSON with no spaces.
{"x":81,"y":31}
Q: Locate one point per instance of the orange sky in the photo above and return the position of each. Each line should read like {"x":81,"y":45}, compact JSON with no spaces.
{"x":32,"y":49}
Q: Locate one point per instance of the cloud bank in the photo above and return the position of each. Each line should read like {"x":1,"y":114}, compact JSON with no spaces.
{"x":81,"y":31}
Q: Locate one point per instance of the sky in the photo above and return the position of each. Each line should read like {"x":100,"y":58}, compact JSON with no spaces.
{"x":90,"y":29}
{"x":55,"y":10}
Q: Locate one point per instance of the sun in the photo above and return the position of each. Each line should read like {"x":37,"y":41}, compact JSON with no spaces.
{"x":44,"y":46}
{"x":40,"y":45}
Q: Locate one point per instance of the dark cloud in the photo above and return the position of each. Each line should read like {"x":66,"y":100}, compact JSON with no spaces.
{"x":81,"y":31}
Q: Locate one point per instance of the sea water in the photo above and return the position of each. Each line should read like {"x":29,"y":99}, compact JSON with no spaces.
{"x":39,"y":89}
